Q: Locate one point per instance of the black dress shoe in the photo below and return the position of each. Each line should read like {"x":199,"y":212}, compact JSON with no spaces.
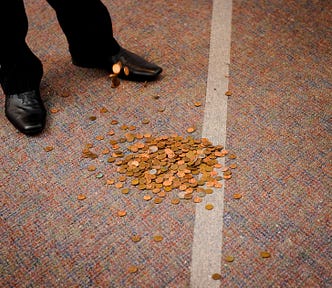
{"x":26,"y":112}
{"x":139,"y":68}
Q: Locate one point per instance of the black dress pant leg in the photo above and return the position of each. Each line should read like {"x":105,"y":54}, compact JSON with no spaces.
{"x":20,"y":69}
{"x":88,"y":28}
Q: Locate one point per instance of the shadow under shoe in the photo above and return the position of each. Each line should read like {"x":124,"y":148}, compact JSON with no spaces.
{"x":26,"y":112}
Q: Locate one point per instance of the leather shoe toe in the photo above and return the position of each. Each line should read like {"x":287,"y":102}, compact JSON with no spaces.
{"x":26,"y":112}
{"x":139,"y":68}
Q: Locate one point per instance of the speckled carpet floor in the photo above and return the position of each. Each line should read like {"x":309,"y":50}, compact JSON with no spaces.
{"x":278,"y":125}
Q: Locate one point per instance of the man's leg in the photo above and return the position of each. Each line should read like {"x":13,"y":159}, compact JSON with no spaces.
{"x":87,"y":26}
{"x":20,"y":71}
{"x":88,"y":29}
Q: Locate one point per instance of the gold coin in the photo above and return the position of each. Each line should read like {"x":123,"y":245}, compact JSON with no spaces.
{"x":229,"y":258}
{"x":92,"y":168}
{"x":92,"y":118}
{"x":147,"y":197}
{"x":111,"y":160}
{"x":54,"y":110}
{"x":232,"y":156}
{"x":198,"y":104}
{"x":191,"y":129}
{"x":122,"y":213}
{"x":132,"y":269}
{"x":197,"y":199}
{"x":105,"y":151}
{"x":228,"y":93}
{"x":119,"y":185}
{"x":145,"y":121}
{"x":103,"y":110}
{"x":237,"y":195}
{"x":134,"y":182}
{"x":158,"y":200}
{"x":110,"y":181}
{"x":126,"y":70}
{"x":48,"y":148}
{"x":122,"y":178}
{"x":162,"y":194}
{"x":216,"y":276}
{"x":116,"y":68}
{"x":233,"y":166}
{"x":115,"y":82}
{"x":158,"y":238}
{"x":265,"y":254}
{"x":208,"y":191}
{"x":81,"y":197}
{"x":114,"y":122}
{"x":209,"y":206}
{"x":136,"y":238}
{"x":99,"y":137}
{"x":175,"y":201}
{"x":125,"y":191}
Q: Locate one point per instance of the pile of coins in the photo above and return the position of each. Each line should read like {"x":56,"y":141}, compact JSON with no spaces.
{"x":158,"y":165}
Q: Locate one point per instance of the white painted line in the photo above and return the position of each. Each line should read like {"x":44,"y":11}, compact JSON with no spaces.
{"x":207,"y":242}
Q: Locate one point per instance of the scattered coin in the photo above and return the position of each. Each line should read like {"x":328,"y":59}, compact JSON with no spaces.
{"x":136,"y":238}
{"x":157,"y":200}
{"x":54,"y":110}
{"x":116,"y":68}
{"x":158,"y":238}
{"x":126,"y":71}
{"x":110,"y":181}
{"x":237,"y":195}
{"x":103,"y":110}
{"x":81,"y":197}
{"x":232,"y":156}
{"x":132,"y":269}
{"x":119,"y":185}
{"x":122,"y":213}
{"x":265,"y":254}
{"x":198,"y":104}
{"x":92,"y":168}
{"x":92,"y":118}
{"x":229,"y":258}
{"x":125,"y":191}
{"x":100,"y":137}
{"x":115,"y":82}
{"x":191,"y":129}
{"x":147,"y":197}
{"x":228,"y":93}
{"x":48,"y":148}
{"x":209,"y":206}
{"x":175,"y":201}
{"x":233,"y":166}
{"x":216,"y":276}
{"x":197,"y":199}
{"x":145,"y":121}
